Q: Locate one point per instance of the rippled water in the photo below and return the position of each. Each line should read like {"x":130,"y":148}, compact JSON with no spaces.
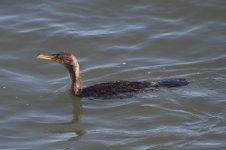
{"x":113,"y":40}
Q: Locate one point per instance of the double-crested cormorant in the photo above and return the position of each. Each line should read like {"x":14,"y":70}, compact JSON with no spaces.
{"x":109,"y":90}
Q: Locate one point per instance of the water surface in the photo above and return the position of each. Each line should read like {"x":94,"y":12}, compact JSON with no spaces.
{"x":113,"y":40}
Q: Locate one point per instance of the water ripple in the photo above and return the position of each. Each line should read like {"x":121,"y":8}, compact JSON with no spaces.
{"x":113,"y":40}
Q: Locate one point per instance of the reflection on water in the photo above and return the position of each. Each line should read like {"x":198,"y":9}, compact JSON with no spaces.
{"x":72,"y":126}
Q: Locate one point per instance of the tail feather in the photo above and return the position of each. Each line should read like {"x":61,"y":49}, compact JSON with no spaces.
{"x":172,"y":83}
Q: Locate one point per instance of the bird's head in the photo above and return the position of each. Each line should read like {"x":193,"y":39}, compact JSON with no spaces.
{"x":63,"y":58}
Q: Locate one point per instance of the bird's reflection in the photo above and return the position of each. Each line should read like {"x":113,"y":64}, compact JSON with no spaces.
{"x":72,"y":126}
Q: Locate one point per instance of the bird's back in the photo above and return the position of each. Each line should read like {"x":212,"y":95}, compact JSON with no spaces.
{"x":117,"y":89}
{"x":123,"y":89}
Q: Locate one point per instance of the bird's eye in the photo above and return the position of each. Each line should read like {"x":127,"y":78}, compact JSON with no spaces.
{"x":55,"y":56}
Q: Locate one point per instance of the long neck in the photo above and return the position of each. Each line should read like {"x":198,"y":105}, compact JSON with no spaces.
{"x":74,"y":71}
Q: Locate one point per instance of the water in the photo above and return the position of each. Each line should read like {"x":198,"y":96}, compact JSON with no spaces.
{"x":113,"y":40}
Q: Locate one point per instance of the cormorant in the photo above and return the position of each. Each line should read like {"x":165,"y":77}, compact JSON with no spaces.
{"x":109,"y":90}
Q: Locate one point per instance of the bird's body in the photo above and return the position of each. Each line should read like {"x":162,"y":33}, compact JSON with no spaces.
{"x":117,"y":89}
{"x":109,"y":90}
